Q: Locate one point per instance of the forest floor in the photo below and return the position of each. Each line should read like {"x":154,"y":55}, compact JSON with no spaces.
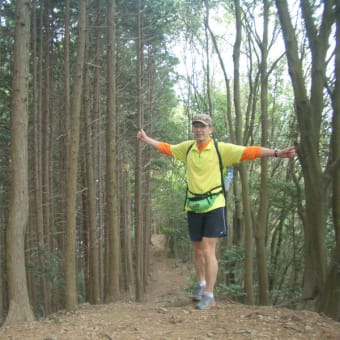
{"x":168,"y":313}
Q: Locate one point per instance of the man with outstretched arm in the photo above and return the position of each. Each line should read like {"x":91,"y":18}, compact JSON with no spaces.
{"x":205,"y":201}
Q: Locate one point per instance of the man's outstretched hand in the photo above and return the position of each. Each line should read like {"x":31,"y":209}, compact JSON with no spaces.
{"x":287,"y":152}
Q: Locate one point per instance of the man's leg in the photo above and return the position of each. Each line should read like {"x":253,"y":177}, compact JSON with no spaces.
{"x":199,"y":261}
{"x":205,"y":261}
{"x":208,"y":249}
{"x":211,"y":224}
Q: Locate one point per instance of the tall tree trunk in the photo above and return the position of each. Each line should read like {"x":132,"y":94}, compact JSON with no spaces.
{"x":139,"y":226}
{"x":2,"y":241}
{"x":209,"y":109}
{"x":262,"y":217}
{"x":66,"y":121}
{"x":329,"y":301}
{"x":309,"y":111}
{"x":72,"y":167}
{"x":248,"y":263}
{"x":111,"y":168}
{"x":126,"y":230}
{"x":2,"y":256}
{"x":93,"y":250}
{"x":148,"y":106}
{"x":19,"y":305}
{"x":37,"y":205}
{"x":46,"y":154}
{"x":98,"y":147}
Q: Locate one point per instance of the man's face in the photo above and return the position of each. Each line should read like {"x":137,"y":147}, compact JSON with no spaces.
{"x":201,"y":132}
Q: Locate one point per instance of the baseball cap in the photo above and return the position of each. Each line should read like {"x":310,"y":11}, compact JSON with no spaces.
{"x":202,"y":118}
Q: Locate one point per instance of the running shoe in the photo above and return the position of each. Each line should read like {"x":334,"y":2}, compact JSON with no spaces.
{"x":206,"y":303}
{"x":198,"y":293}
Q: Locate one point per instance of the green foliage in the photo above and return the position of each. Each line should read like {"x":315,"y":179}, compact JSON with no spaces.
{"x":231,"y":259}
{"x":190,"y":20}
{"x":285,"y":258}
{"x":220,"y":131}
{"x":4,"y":157}
{"x":233,"y":291}
{"x":6,"y":51}
{"x":44,"y":263}
{"x":168,"y":193}
{"x":179,"y":242}
{"x":231,"y":256}
{"x":192,"y":282}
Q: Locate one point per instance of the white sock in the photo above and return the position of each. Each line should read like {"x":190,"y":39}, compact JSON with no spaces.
{"x":209,"y":294}
{"x":203,"y":283}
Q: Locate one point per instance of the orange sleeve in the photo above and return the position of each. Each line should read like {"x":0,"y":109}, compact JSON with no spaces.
{"x":164,"y":148}
{"x":251,"y":152}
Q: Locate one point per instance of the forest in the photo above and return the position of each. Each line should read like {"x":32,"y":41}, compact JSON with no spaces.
{"x":80,"y":198}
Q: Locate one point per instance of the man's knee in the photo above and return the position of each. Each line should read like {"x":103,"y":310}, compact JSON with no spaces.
{"x":208,"y":252}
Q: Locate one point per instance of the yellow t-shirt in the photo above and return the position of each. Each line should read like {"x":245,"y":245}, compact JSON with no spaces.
{"x":203,"y":170}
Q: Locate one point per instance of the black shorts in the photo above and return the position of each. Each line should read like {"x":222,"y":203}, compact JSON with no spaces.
{"x":210,"y":224}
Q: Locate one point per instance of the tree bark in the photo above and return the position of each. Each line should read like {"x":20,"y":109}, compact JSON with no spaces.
{"x":111,"y":168}
{"x":72,"y":167}
{"x":329,"y":301}
{"x":93,"y":249}
{"x":98,"y":149}
{"x":125,"y":218}
{"x":139,"y":225}
{"x":209,"y":109}
{"x":45,"y":233}
{"x":65,"y":124}
{"x":248,"y":262}
{"x":19,"y":305}
{"x":262,"y":216}
{"x":37,"y":223}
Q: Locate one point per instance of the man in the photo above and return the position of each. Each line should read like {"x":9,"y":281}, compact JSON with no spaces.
{"x":205,"y":192}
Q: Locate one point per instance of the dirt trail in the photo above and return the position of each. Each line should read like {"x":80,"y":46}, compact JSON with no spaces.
{"x":169,"y":314}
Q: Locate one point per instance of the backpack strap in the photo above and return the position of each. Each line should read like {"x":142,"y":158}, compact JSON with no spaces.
{"x":186,"y":191}
{"x":221,"y":166}
{"x":189,"y":148}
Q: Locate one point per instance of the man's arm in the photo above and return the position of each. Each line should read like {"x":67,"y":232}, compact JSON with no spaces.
{"x":162,"y":147}
{"x":143,"y":137}
{"x":284,"y":153}
{"x":253,"y":152}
